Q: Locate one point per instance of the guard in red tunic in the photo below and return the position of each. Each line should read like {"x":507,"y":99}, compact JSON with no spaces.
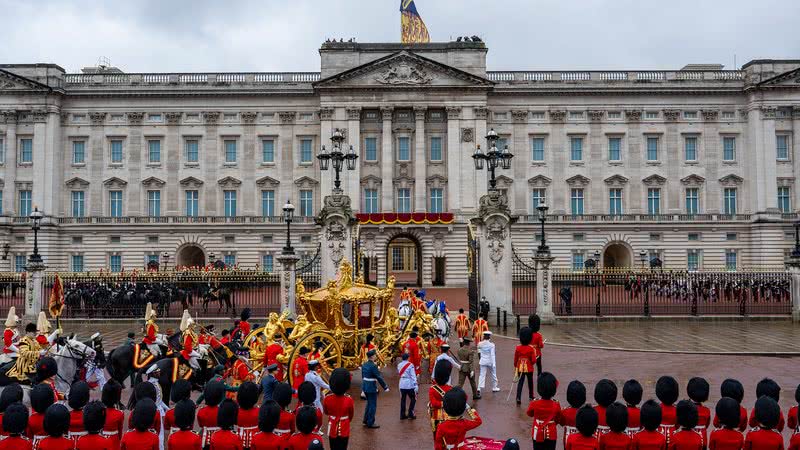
{"x":43,"y":327}
{"x":537,"y":341}
{"x":770,"y":388}
{"x":667,"y":392}
{"x":268,"y":416}
{"x":307,"y":396}
{"x":56,"y":425}
{"x":115,"y":418}
{"x":15,"y":420}
{"x":151,"y":331}
{"x":453,"y":430}
{"x":728,"y":437}
{"x":479,"y":327}
{"x":733,"y":389}
{"x":411,"y":347}
{"x":225,"y":438}
{"x":184,"y":438}
{"x":244,"y":325}
{"x":213,"y":393}
{"x":271,"y":355}
{"x":247,"y":421}
{"x":545,"y":411}
{"x":605,"y":393}
{"x":462,"y":324}
{"x":576,"y":398}
{"x":41,"y":398}
{"x":650,"y":438}
{"x":283,"y":396}
{"x":300,"y":368}
{"x":339,"y":408}
{"x":181,"y":390}
{"x":140,"y":437}
{"x":617,"y":421}
{"x":94,"y":417}
{"x":190,"y":341}
{"x":586,"y":422}
{"x":765,"y":436}
{"x":306,"y":423}
{"x":78,"y":398}
{"x":11,"y":335}
{"x":524,"y":358}
{"x":441,"y":378}
{"x":698,"y":391}
{"x":791,"y":417}
{"x":240,"y":372}
{"x":685,"y":436}
{"x":632,"y":394}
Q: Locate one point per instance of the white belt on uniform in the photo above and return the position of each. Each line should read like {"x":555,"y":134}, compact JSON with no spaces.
{"x":631,"y":431}
{"x":205,"y":434}
{"x":104,"y":433}
{"x":246,"y":433}
{"x":281,"y":432}
{"x":369,"y":379}
{"x":334,"y":418}
{"x":450,"y":447}
{"x":77,"y":434}
{"x":36,"y":439}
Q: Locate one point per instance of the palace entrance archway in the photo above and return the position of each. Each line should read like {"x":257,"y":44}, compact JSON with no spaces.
{"x":404,"y":260}
{"x":617,"y":255}
{"x":190,"y":256}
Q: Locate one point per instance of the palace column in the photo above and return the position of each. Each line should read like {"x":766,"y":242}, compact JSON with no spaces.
{"x":9,"y":189}
{"x":455,"y":189}
{"x":352,"y":178}
{"x":286,"y":160}
{"x":387,"y":161}
{"x":494,"y":233}
{"x":420,"y":161}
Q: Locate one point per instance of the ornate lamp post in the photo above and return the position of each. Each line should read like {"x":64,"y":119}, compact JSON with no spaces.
{"x":212,"y":257}
{"x":643,"y":258}
{"x":493,"y":157}
{"x":597,"y":258}
{"x":36,"y":218}
{"x":796,"y":251}
{"x":165,"y":258}
{"x":337,"y":158}
{"x":542,"y":208}
{"x":288,"y":216}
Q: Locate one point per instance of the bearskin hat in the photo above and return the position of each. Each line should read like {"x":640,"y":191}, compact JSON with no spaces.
{"x":632,"y":392}
{"x":698,"y":389}
{"x":441,"y":372}
{"x":339,"y":381}
{"x":617,"y":417}
{"x":576,"y":394}
{"x":41,"y":397}
{"x":56,"y":420}
{"x":686,"y":413}
{"x":650,"y":415}
{"x":184,"y":414}
{"x":112,"y":393}
{"x":770,"y":388}
{"x":246,"y":313}
{"x":11,"y":394}
{"x":213,"y":393}
{"x":15,"y":419}
{"x":546,"y":385}
{"x":511,"y":444}
{"x":728,"y":412}
{"x":306,"y":393}
{"x":605,"y":392}
{"x":797,"y":394}
{"x":79,"y":395}
{"x":525,"y":336}
{"x":454,"y":402}
{"x":228,"y":414}
{"x":316,"y":444}
{"x":268,"y":416}
{"x":181,"y":390}
{"x":306,"y":419}
{"x":247,"y":395}
{"x":46,"y":368}
{"x":767,"y":412}
{"x":586,"y":420}
{"x":94,"y":416}
{"x":30,"y":327}
{"x":733,"y":389}
{"x":534,"y":323}
{"x":282,"y":394}
{"x":303,"y":351}
{"x":667,"y":390}
{"x":144,"y":413}
{"x":144,"y":390}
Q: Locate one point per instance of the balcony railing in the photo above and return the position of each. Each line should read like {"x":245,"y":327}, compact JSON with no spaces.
{"x":627,"y":218}
{"x":161,"y":220}
{"x":607,"y":76}
{"x":194,"y":79}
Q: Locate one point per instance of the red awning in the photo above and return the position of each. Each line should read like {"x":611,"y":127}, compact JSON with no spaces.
{"x":405,"y":218}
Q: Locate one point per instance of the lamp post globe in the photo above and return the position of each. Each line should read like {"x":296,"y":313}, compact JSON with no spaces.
{"x":492,"y":158}
{"x":337,"y":158}
{"x":542,"y":209}
{"x":36,"y":218}
{"x":288,"y":217}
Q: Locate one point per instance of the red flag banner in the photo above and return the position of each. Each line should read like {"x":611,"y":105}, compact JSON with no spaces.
{"x":56,"y":302}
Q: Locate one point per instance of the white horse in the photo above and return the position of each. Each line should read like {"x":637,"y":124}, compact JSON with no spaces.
{"x":69,"y":358}
{"x":404,"y":311}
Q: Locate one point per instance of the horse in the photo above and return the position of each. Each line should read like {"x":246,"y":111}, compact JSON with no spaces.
{"x":221,"y":295}
{"x":441,"y":317}
{"x":71,"y":356}
{"x":404,"y":311}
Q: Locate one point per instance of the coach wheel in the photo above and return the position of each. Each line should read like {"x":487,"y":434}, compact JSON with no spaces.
{"x":331,"y":351}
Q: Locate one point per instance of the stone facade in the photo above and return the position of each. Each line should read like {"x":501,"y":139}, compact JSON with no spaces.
{"x":131,"y":165}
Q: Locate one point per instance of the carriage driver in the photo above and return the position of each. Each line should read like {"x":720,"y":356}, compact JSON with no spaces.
{"x":189,"y":341}
{"x":10,"y":336}
{"x":151,"y":338}
{"x":43,"y":327}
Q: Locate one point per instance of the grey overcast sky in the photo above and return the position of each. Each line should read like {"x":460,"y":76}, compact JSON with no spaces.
{"x":284,"y":35}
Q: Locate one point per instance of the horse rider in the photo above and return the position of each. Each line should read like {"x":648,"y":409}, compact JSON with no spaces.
{"x":92,"y":367}
{"x":29,"y":352}
{"x":43,"y":327}
{"x":190,"y":341}
{"x":151,"y":337}
{"x":11,"y":336}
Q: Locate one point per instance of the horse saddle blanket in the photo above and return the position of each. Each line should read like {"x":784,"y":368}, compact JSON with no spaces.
{"x":141,"y":356}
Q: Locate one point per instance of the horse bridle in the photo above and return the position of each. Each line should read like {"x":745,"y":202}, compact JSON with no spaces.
{"x":74,"y":355}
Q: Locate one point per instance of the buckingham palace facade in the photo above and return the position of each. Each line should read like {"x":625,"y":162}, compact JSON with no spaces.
{"x":697,"y":166}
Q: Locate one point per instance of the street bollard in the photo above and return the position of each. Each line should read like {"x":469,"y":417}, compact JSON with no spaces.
{"x":517,"y":323}
{"x":505,"y":320}
{"x":498,"y":317}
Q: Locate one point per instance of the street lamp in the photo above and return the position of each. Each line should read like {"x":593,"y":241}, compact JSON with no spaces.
{"x":212,"y":257}
{"x":643,"y":258}
{"x":493,"y":157}
{"x":597,"y":258}
{"x":165,"y":258}
{"x":36,"y":218}
{"x":338,"y":158}
{"x":796,"y":251}
{"x":288,"y":215}
{"x":542,"y":208}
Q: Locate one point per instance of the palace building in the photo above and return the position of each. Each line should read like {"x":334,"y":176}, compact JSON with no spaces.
{"x":697,"y":165}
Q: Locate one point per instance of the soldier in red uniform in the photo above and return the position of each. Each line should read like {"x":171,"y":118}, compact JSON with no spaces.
{"x":271,"y":355}
{"x":339,"y":408}
{"x":43,"y":327}
{"x":546,"y":413}
{"x":605,"y":393}
{"x":94,"y":417}
{"x":411,"y":347}
{"x":524,"y":357}
{"x":307,"y":396}
{"x":698,"y":391}
{"x":15,"y":421}
{"x":10,"y":334}
{"x":617,"y":420}
{"x":434,"y":349}
{"x":181,"y":390}
{"x":667,"y":392}
{"x":479,"y":327}
{"x":184,"y":438}
{"x":765,"y":437}
{"x":146,"y":391}
{"x":56,"y":424}
{"x":453,"y":430}
{"x":115,"y":418}
{"x":140,"y":437}
{"x":226,"y":337}
{"x":576,"y":398}
{"x":268,"y":416}
{"x":462,"y":324}
{"x":151,"y":331}
{"x":78,"y":398}
{"x":41,"y":398}
{"x":685,"y":437}
{"x":733,"y":389}
{"x":240,"y":372}
{"x":300,"y":368}
{"x":632,"y":394}
{"x":650,"y":438}
{"x":441,"y":377}
{"x":244,"y":325}
{"x":537,"y":341}
{"x":791,"y":417}
{"x":366,"y":347}
{"x":306,"y":423}
{"x":283,"y":395}
{"x":225,"y":438}
{"x":586,"y":422}
{"x":770,"y":388}
{"x":213,"y":393}
{"x":247,"y":422}
{"x":728,"y":437}
{"x":46,"y":371}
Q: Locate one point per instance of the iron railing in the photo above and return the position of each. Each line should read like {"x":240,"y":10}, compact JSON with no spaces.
{"x":523,"y":285}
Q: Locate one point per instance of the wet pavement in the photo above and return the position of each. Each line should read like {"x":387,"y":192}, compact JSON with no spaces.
{"x":567,"y":359}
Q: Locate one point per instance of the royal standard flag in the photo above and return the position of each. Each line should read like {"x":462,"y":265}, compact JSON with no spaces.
{"x":413,"y":29}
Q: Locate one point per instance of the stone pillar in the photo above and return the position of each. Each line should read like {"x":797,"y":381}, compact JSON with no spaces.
{"x":457,"y":190}
{"x":336,"y":243}
{"x":793,"y":266}
{"x":352,"y":178}
{"x":10,"y":174}
{"x":33,"y":290}
{"x":494,"y":229}
{"x":288,"y":264}
{"x":387,"y":162}
{"x":544,"y":282}
{"x":420,"y":161}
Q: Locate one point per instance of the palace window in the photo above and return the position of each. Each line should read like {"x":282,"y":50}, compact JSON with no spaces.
{"x":116,"y":151}
{"x":692,"y":260}
{"x":371,"y":149}
{"x":115,"y":263}
{"x":784,"y":199}
{"x":154,"y":203}
{"x":537,"y":149}
{"x":576,"y":149}
{"x":576,"y":201}
{"x":78,"y":152}
{"x":26,"y":150}
{"x":690,"y":148}
{"x":192,"y":150}
{"x":692,"y":201}
{"x":230,"y":203}
{"x":614,"y":147}
{"x":305,"y":151}
{"x":192,"y":203}
{"x":115,"y":203}
{"x":78,"y":209}
{"x":577,"y":261}
{"x":729,"y":148}
{"x":267,"y":263}
{"x":25,"y":200}
{"x":230,"y":151}
{"x":615,"y":201}
{"x":77,"y":263}
{"x":538,"y":196}
{"x":268,"y":151}
{"x":782,"y":142}
{"x":652,"y":149}
{"x":436,"y":148}
{"x":403,"y":149}
{"x":437,"y":200}
{"x":729,"y":206}
{"x":370,"y":201}
{"x":19,"y":263}
{"x":267,"y":203}
{"x":306,"y":203}
{"x":654,"y":201}
{"x":404,"y":200}
{"x":154,"y":151}
{"x":230,"y":260}
{"x":730,"y":260}
{"x":404,"y":255}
